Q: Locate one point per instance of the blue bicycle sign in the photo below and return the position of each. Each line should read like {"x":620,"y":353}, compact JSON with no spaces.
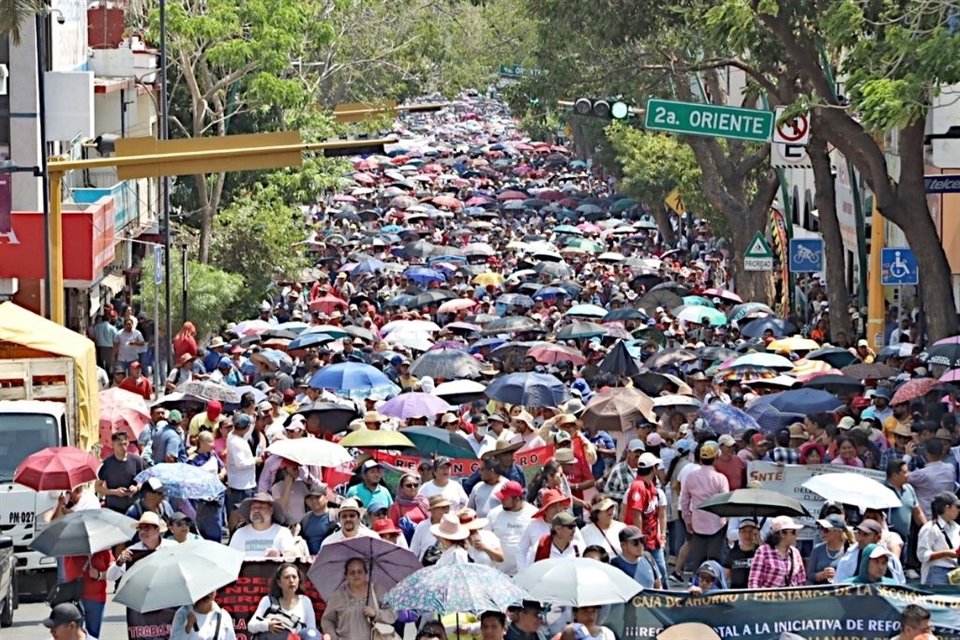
{"x":806,"y":255}
{"x":898,"y":267}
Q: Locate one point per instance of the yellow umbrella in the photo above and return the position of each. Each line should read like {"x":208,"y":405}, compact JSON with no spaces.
{"x":803,"y":368}
{"x":367,"y":439}
{"x":793,"y":343}
{"x":488,"y":277}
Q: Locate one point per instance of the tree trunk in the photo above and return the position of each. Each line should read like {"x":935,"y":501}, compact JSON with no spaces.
{"x":837,"y":294}
{"x":663,"y":219}
{"x":752,"y":286}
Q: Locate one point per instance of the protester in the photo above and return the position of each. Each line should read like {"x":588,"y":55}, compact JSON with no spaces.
{"x":777,"y":562}
{"x":150,"y":528}
{"x":603,"y":529}
{"x":316,"y":524}
{"x":284,"y":608}
{"x":739,"y":558}
{"x":349,"y":517}
{"x":65,"y":622}
{"x":117,"y":473}
{"x":262,"y":537}
{"x":823,"y":560}
{"x":354,"y":608}
{"x":707,"y":530}
{"x":370,"y":487}
{"x":708,"y":578}
{"x":635,"y":561}
{"x":509,"y":522}
{"x":874,"y":560}
{"x":451,"y":537}
{"x":203,"y":620}
{"x":938,"y":543}
{"x":91,"y":571}
{"x":441,"y":484}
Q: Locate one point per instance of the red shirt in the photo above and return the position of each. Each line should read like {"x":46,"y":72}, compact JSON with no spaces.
{"x":95,"y":590}
{"x":141,"y":386}
{"x":643,"y":497}
{"x":734,"y":469}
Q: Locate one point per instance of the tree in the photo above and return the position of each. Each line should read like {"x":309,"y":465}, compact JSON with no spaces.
{"x":255,"y":238}
{"x":211,"y":292}
{"x":13,"y":13}
{"x":893,"y":57}
{"x":232,"y":58}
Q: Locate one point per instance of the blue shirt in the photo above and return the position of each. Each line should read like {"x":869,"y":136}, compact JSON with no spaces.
{"x":643,"y":571}
{"x":104,"y":334}
{"x":315,"y":529}
{"x":601,"y":441}
{"x":168,"y":441}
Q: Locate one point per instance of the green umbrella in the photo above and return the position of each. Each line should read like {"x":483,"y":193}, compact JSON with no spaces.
{"x":622,"y":205}
{"x":698,"y":301}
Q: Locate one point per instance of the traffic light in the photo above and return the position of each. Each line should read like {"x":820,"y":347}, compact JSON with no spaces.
{"x":601,"y":108}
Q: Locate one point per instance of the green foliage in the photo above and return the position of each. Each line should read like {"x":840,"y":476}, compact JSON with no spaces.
{"x":211,"y":292}
{"x":254,"y":238}
{"x":14,"y":13}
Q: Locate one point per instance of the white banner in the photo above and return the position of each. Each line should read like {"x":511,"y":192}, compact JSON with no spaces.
{"x":788,"y":479}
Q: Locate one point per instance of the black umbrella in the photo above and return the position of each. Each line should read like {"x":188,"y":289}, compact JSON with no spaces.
{"x":433,"y":296}
{"x":753,"y":503}
{"x":779,"y":327}
{"x":624,"y":314}
{"x":620,"y":362}
{"x":834,"y":356}
{"x":511,"y":324}
{"x":840,"y":385}
{"x":334,"y":417}
{"x":659,"y":298}
{"x":714,"y":353}
{"x":947,"y":355}
{"x":670,"y":357}
{"x":646,"y":280}
{"x":418,"y":249}
{"x":653,"y":383}
{"x":671,"y":285}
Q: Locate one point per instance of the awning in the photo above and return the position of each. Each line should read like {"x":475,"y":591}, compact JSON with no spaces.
{"x":114,"y":282}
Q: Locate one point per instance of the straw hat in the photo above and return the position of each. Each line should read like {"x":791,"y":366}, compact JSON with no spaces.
{"x":502,"y":446}
{"x":469,"y":519}
{"x":150,"y":517}
{"x":450,"y":528}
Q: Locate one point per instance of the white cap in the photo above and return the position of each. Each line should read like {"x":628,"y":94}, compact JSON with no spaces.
{"x":648,"y":460}
{"x":726,"y":440}
{"x":784,"y":522}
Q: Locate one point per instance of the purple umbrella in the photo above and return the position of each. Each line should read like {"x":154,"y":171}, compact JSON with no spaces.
{"x":414,"y":405}
{"x":726,"y":418}
{"x":387,"y":564}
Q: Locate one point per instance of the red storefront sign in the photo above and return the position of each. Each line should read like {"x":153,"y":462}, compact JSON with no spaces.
{"x":88,"y":243}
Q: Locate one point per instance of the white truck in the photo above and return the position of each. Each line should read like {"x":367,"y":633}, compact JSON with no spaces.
{"x":38,"y":409}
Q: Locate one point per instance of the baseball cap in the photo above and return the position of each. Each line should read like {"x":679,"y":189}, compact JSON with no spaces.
{"x":385,"y":526}
{"x":630,"y":533}
{"x":870,"y":526}
{"x":833,"y":521}
{"x":565,"y":456}
{"x":726,"y":440}
{"x":758,"y":438}
{"x":636,"y":445}
{"x":781,"y":523}
{"x":441,"y":461}
{"x":242,"y":421}
{"x":512,"y":489}
{"x":747,"y":522}
{"x":648,"y":460}
{"x":563,"y":519}
{"x":371,"y":464}
{"x":879,"y":551}
{"x":709,"y":450}
{"x":655,"y":440}
{"x":63,"y":613}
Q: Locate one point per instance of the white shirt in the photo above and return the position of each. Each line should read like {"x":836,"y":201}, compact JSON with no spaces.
{"x":487,"y":443}
{"x":484,"y":498}
{"x":241,"y":464}
{"x":931,"y":539}
{"x":453,"y":555}
{"x":592,"y":535}
{"x":573,"y":550}
{"x":509,"y":526}
{"x":422,"y":538}
{"x":206,"y":625}
{"x":337,"y":536}
{"x":254,"y":544}
{"x":452,"y":491}
{"x":490,"y":542}
{"x":301,"y":616}
{"x":531,"y":538}
{"x":115,"y":571}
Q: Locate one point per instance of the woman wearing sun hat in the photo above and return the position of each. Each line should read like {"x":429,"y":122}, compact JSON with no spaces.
{"x":452,"y":539}
{"x":777,"y":562}
{"x":483,"y":546}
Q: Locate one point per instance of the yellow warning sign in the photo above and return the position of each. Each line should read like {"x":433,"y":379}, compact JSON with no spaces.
{"x":675,"y":202}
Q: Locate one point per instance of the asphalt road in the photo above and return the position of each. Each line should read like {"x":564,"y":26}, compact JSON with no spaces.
{"x":26,"y":622}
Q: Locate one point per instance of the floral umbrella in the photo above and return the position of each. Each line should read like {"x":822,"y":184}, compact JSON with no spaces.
{"x":470,"y":588}
{"x":124,"y":411}
{"x":916,"y":388}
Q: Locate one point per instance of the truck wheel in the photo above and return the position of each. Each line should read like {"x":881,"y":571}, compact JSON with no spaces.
{"x":6,"y":613}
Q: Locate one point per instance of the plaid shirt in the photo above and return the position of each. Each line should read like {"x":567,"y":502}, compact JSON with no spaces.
{"x":785,"y":455}
{"x":621,"y":477}
{"x":769,"y":570}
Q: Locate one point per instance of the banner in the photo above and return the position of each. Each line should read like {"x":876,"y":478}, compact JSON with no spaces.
{"x":844,"y":612}
{"x":788,"y":480}
{"x":239,"y":599}
{"x":531,"y":461}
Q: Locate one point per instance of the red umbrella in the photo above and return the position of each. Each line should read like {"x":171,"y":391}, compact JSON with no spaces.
{"x":916,"y":388}
{"x":550,"y":195}
{"x":328,"y":304}
{"x":56,"y":469}
{"x":503,"y":196}
{"x":364,"y":178}
{"x":477,"y":201}
{"x":121,"y":410}
{"x":554,"y":353}
{"x":723,"y":294}
{"x":449,"y":202}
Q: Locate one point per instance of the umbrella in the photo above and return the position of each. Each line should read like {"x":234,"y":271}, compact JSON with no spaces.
{"x":511,"y":324}
{"x":670,"y":358}
{"x":944,"y":353}
{"x":770,"y":418}
{"x":56,"y":469}
{"x":122,"y":410}
{"x":794,"y":343}
{"x":619,"y":408}
{"x":726,"y":418}
{"x":624,"y":314}
{"x":472,"y":588}
{"x":834,"y":383}
{"x":761,"y":361}
{"x":853,"y":489}
{"x":367,"y":439}
{"x":182,"y":480}
{"x":353,"y":380}
{"x":252,"y":327}
{"x":753,"y":503}
{"x":714,"y":353}
{"x":834,"y":356}
{"x":415,"y":340}
{"x":804,"y":401}
{"x":551,"y":353}
{"x":334,"y":416}
{"x":576,"y":582}
{"x":515,"y":300}
{"x":951,"y":376}
{"x":901,"y":350}
{"x":724,"y":294}
{"x":311,"y":451}
{"x":212,"y":391}
{"x":578,"y":330}
{"x":699,"y":313}
{"x":674,"y":401}
{"x":873,"y":371}
{"x":423,"y":275}
{"x":756,"y":328}
{"x":448,"y":364}
{"x":178,"y":574}
{"x":586,"y":311}
{"x":415,"y":405}
{"x":84,"y":533}
{"x":273,"y":359}
{"x":387,"y":564}
{"x":659,"y":298}
{"x":457,"y":392}
{"x":310,"y":340}
{"x":418,"y":249}
{"x":328,"y":304}
{"x":413,"y":326}
{"x":916,"y":388}
{"x":749,"y":310}
{"x":528,"y":389}
{"x":457,"y":304}
{"x":439,"y":442}
{"x":620,"y":361}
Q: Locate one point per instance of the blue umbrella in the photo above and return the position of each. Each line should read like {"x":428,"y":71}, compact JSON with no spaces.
{"x":726,"y":418}
{"x":546,"y":293}
{"x":804,"y":401}
{"x":528,"y":389}
{"x":423,"y":276}
{"x":769,"y":417}
{"x":780,"y":328}
{"x":310,"y":340}
{"x":393,"y":228}
{"x":370,"y":265}
{"x":515,"y":300}
{"x":493,"y":343}
{"x":182,"y":480}
{"x":353,"y":380}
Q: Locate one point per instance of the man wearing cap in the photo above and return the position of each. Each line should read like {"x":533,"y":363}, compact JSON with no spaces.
{"x":370,"y":488}
{"x":137,"y":383}
{"x":225,"y":373}
{"x":483,"y":497}
{"x":262,"y":537}
{"x":502,"y":454}
{"x":207,"y":420}
{"x":241,"y":465}
{"x":729,"y":463}
{"x":422,"y":537}
{"x":526,"y":622}
{"x":150,"y":529}
{"x":66,"y":623}
{"x":881,"y":406}
{"x":644,"y":508}
{"x":623,"y":474}
{"x":350,"y":518}
{"x":317,"y":524}
{"x":152,"y":499}
{"x":635,"y":561}
{"x":441,"y":484}
{"x":868,"y":532}
{"x":708,"y":530}
{"x":180,"y":528}
{"x":560,"y":542}
{"x":509,"y":521}
{"x":874,"y":566}
{"x":756,"y":447}
{"x":497,"y":424}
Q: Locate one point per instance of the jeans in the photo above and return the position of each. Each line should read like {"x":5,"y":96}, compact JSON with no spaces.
{"x":236,"y":496}
{"x":937,"y":576}
{"x":661,"y":560}
{"x":92,"y":616}
{"x":209,"y":519}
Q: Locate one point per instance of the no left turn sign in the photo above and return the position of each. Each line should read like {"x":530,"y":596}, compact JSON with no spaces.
{"x":792,"y":132}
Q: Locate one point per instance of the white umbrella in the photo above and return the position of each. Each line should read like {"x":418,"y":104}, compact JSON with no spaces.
{"x":311,"y":451}
{"x":416,"y":340}
{"x":854,"y":489}
{"x":576,"y":582}
{"x":178,"y":574}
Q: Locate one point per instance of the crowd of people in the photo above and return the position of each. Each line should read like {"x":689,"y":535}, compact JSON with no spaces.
{"x":511,"y":258}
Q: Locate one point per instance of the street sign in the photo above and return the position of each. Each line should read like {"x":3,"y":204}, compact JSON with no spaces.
{"x":898,"y":267}
{"x":709,"y":120}
{"x":517,"y":71}
{"x":945,"y":183}
{"x":789,"y":156}
{"x":806,"y":255}
{"x":759,"y":255}
{"x":675,"y":202}
{"x":157,"y":264}
{"x":795,"y":131}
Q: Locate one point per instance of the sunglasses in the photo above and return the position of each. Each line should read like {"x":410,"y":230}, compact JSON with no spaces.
{"x":411,"y":485}
{"x":788,"y":531}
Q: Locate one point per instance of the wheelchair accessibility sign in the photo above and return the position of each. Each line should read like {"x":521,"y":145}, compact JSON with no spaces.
{"x":806,"y":255}
{"x":899,"y":267}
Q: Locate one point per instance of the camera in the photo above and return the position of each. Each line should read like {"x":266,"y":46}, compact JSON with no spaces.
{"x":61,"y":19}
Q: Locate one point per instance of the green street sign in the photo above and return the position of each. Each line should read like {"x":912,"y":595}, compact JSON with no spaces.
{"x":710,"y":120}
{"x":517,"y":71}
{"x":759,"y":255}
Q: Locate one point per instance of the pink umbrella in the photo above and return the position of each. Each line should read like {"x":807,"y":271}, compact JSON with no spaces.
{"x":121,"y":410}
{"x":724,"y":294}
{"x":589,"y":227}
{"x":554,"y":353}
{"x":328,"y":304}
{"x":343,"y":198}
{"x":252,"y":327}
{"x":449,"y":202}
{"x":951,"y":376}
{"x":477,"y":201}
{"x":364,"y":178}
{"x":503,"y":196}
{"x":457,"y":304}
